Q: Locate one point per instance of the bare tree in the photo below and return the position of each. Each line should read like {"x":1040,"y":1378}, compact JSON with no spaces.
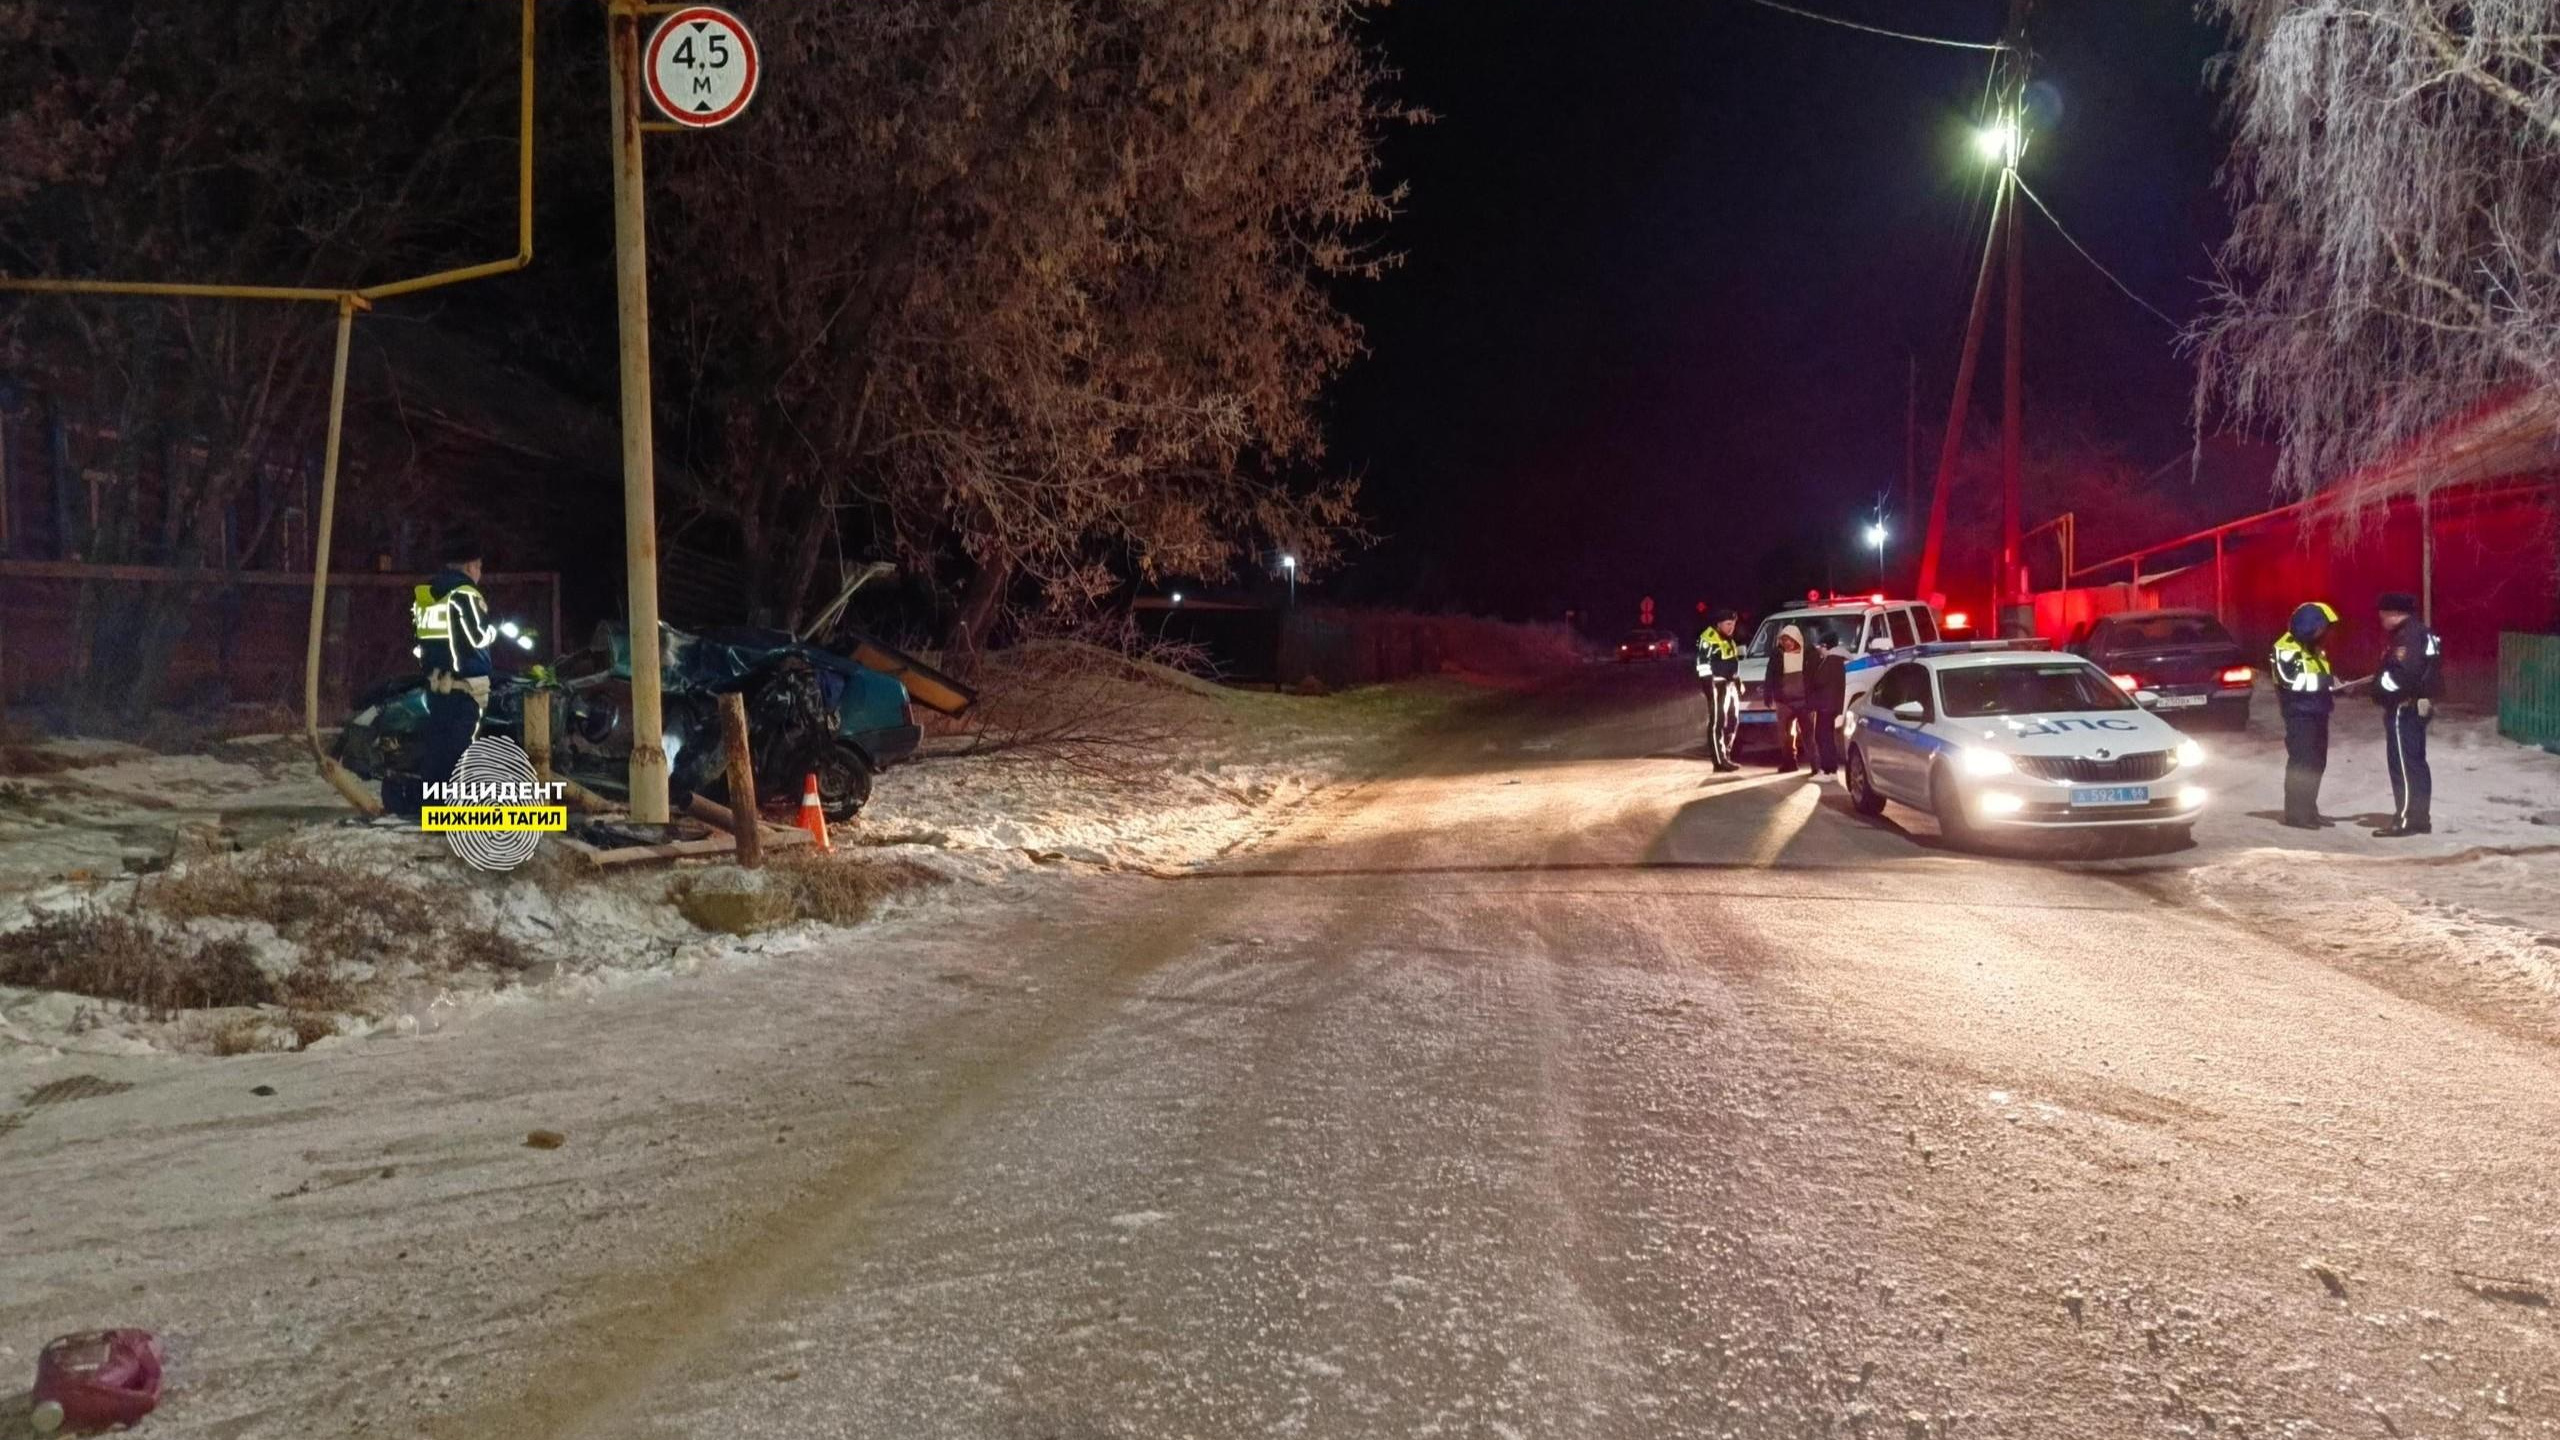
{"x":1027,"y":288}
{"x":2395,"y":261}
{"x":293,"y":142}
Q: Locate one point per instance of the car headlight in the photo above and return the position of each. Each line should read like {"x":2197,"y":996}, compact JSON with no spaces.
{"x":2190,"y":753}
{"x":1980,"y":763}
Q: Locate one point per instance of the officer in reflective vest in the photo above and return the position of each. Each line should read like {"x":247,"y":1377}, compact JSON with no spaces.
{"x":451,"y":619}
{"x":1720,"y":675}
{"x":2406,"y":686}
{"x":2306,"y":688}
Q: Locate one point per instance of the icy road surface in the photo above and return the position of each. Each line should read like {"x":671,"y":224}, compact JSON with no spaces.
{"x":1549,"y":1087}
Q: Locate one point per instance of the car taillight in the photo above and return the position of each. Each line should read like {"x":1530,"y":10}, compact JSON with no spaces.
{"x":2239,"y":675}
{"x":2127,"y":683}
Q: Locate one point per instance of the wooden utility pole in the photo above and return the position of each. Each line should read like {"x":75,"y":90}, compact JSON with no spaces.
{"x":1953,"y":444}
{"x":639,"y":476}
{"x":2009,"y":587}
{"x":1911,"y":445}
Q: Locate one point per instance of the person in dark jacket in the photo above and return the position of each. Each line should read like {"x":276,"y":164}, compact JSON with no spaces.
{"x":1786,"y":687}
{"x":451,"y":621}
{"x":2411,"y":677}
{"x":2306,"y":691}
{"x":1826,"y":694}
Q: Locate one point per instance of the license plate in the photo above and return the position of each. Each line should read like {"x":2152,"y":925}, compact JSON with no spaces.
{"x":1758,"y":717}
{"x":2177,"y":702}
{"x":2112,"y":795}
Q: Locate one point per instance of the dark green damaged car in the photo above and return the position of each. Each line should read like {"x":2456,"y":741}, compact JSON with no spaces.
{"x":810,"y":711}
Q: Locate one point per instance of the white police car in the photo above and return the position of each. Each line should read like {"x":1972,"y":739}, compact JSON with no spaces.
{"x":1871,"y":628}
{"x":1989,"y":738}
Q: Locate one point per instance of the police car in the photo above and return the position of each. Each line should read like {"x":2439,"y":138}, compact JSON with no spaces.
{"x":1988,"y":737}
{"x":1870,"y":627}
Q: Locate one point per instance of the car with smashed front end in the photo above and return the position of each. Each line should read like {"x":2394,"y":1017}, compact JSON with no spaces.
{"x":811,"y":711}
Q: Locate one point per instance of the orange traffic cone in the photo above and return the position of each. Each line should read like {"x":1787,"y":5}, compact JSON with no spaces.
{"x":813,"y":818}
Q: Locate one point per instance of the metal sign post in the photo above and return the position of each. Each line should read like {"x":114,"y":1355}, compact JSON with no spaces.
{"x":700,"y":71}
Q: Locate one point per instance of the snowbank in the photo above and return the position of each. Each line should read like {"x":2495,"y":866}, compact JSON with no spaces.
{"x":2471,"y":911}
{"x":247,"y":849}
{"x":2488,"y":790}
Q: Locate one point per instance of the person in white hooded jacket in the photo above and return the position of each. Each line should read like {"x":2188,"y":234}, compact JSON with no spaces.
{"x":1787,"y":695}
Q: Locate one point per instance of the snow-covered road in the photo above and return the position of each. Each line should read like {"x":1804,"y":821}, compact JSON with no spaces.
{"x":1549,"y":1087}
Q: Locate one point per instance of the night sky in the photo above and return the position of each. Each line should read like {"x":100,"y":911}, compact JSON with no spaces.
{"x":1668,"y":260}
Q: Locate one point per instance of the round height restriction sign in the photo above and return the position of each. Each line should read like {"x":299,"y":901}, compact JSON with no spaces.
{"x":702,"y":67}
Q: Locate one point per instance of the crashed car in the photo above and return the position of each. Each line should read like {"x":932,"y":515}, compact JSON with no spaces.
{"x":810,"y":711}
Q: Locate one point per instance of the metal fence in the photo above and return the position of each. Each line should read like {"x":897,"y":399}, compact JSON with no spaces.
{"x":245,"y":630}
{"x":2529,"y":688}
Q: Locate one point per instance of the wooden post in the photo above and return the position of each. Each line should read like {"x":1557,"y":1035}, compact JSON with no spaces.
{"x":639,"y":455}
{"x":537,"y":732}
{"x":742,"y":781}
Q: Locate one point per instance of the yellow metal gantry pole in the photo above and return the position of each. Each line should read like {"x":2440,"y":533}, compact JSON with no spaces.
{"x":330,"y":770}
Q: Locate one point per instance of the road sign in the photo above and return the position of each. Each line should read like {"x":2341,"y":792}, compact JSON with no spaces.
{"x":701,"y":67}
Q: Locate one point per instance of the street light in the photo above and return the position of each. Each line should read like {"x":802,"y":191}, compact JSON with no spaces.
{"x":1998,"y":141}
{"x":1177,"y":597}
{"x":1876,"y":535}
{"x":1289,"y":563}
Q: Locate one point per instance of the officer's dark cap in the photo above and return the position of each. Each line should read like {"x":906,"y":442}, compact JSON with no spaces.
{"x":460,"y":550}
{"x":1718,"y":617}
{"x":2397,"y":602}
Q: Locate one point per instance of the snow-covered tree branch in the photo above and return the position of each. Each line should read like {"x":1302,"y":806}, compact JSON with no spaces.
{"x":2395,"y":258}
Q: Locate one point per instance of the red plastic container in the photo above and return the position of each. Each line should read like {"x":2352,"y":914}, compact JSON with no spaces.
{"x":106,"y":1377}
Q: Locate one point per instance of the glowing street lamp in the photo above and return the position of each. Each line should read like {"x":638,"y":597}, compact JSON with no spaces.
{"x":1999,"y":142}
{"x":1876,"y":536}
{"x":1289,"y":563}
{"x":1177,"y":597}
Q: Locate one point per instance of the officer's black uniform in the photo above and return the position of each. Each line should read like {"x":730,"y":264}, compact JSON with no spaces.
{"x":453,"y":633}
{"x":2411,"y":678}
{"x":2305,"y":692}
{"x":1720,"y":675}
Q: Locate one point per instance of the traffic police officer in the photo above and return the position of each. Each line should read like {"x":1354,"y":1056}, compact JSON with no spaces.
{"x":2306,"y":686}
{"x":451,"y":618}
{"x":2411,"y":676}
{"x":1720,"y":672}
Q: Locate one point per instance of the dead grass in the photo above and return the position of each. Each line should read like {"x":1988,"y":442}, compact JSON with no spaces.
{"x":487,"y":949}
{"x":333,"y":911}
{"x":846,"y":889}
{"x":239,"y":1035}
{"x":29,"y":758}
{"x":840,"y":890}
{"x":113,"y":957}
{"x":1111,"y":710}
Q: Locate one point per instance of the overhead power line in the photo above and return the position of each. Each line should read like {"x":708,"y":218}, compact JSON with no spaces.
{"x":1878,"y":30}
{"x":2021,"y":182}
